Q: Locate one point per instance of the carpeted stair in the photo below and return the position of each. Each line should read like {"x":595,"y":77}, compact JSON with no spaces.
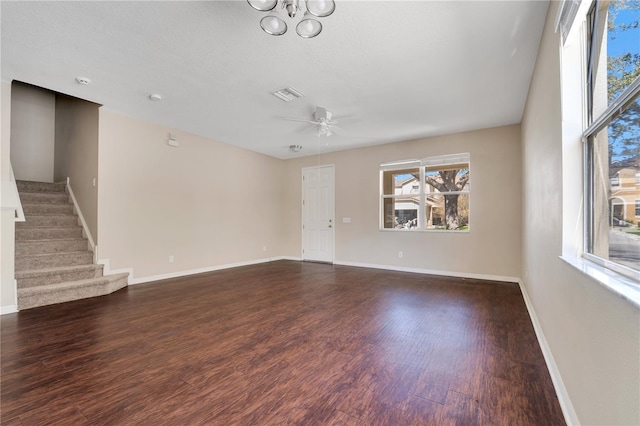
{"x":53,"y":261}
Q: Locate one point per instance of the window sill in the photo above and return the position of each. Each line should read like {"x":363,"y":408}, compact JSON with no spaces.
{"x":423,"y":231}
{"x":624,"y":287}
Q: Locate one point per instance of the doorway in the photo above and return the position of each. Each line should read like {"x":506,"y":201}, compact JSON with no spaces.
{"x":318,"y":224}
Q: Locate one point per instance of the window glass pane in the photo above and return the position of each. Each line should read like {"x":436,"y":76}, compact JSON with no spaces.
{"x":397,"y":182}
{"x":401,"y":212}
{"x":615,"y":54}
{"x":447,"y":211}
{"x":447,"y":178}
{"x":616,"y":161}
{"x":432,"y":194}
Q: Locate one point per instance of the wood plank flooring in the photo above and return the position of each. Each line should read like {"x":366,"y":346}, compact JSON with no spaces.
{"x":280,"y":343}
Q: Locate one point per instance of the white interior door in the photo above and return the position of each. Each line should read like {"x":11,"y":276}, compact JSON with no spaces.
{"x":317,"y":213}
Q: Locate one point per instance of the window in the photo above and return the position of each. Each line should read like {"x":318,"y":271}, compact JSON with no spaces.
{"x":613,"y":136}
{"x":427,"y":194}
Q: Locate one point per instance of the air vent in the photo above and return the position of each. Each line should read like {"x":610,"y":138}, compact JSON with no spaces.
{"x":287,"y":94}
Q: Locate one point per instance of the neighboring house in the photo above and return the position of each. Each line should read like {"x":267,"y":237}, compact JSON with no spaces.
{"x":624,"y":197}
{"x":407,"y":199}
{"x":406,"y":206}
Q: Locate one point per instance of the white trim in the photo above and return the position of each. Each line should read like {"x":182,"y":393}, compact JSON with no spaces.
{"x":133,"y":281}
{"x":430,"y":271}
{"x":625,"y":287}
{"x":84,"y":223}
{"x":294,"y":258}
{"x":566,"y":406}
{"x":106,"y":270}
{"x":11,"y":197}
{"x":333,"y":209}
{"x":9,"y":309}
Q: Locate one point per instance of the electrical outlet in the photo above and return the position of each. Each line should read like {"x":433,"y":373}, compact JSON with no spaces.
{"x":264,"y":248}
{"x":171,"y":259}
{"x":400,"y":254}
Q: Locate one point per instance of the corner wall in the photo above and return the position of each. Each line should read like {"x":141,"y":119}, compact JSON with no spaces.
{"x":593,"y":335}
{"x":32,"y":132}
{"x":490,"y":249}
{"x":76,"y":154}
{"x":8,"y":294}
{"x":205,"y":203}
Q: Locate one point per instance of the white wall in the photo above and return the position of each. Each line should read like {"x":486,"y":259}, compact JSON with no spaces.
{"x":8,"y":300}
{"x":593,"y":335}
{"x":491,"y":248}
{"x":32,"y":133}
{"x":206,"y":203}
{"x":76,"y":154}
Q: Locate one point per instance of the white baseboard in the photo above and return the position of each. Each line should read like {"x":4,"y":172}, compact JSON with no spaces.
{"x":133,"y":280}
{"x":568,"y":411}
{"x":9,"y":309}
{"x":430,"y":271}
{"x":296,"y":259}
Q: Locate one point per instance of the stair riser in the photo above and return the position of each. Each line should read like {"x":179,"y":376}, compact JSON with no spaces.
{"x":29,"y":263}
{"x":40,"y":198}
{"x":23,"y":234}
{"x":66,"y":295}
{"x":53,"y":262}
{"x":24,"y":248}
{"x":59,"y":277}
{"x":35,"y":209}
{"x":65,"y":220}
{"x":26,"y":186}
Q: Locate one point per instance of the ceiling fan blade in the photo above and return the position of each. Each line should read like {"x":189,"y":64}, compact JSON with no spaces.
{"x":304,"y":120}
{"x":344,"y":117}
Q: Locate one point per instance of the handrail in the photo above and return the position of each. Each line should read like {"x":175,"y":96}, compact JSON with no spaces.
{"x":11,"y":196}
{"x":85,"y":227}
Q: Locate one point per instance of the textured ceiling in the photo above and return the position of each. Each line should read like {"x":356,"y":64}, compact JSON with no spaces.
{"x":403,"y":69}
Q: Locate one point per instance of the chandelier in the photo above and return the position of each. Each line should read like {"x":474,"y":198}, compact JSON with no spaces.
{"x":308,"y":27}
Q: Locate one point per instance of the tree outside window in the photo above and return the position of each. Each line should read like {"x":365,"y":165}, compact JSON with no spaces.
{"x":427,"y":194}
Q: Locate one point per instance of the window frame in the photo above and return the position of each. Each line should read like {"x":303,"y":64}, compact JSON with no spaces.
{"x":421,"y":166}
{"x":596,"y":124}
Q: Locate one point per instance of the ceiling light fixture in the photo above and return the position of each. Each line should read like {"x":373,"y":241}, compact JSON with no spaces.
{"x":308,"y":27}
{"x":295,"y":148}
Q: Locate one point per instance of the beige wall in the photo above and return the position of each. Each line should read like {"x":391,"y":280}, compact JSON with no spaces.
{"x":32,"y":132}
{"x":593,"y":335}
{"x":7,"y":224}
{"x":491,"y":248}
{"x":206,"y":203}
{"x":76,"y":154}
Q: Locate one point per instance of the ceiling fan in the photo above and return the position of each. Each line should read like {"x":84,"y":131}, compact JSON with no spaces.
{"x":323,"y":121}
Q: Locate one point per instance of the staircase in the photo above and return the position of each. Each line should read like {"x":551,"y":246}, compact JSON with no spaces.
{"x":53,"y":261}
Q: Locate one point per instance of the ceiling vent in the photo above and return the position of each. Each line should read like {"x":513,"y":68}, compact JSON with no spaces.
{"x":287,"y":94}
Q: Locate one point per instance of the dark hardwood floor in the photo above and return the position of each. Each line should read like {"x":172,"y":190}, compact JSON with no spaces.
{"x":280,"y":343}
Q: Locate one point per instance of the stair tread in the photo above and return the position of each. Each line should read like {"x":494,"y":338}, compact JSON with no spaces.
{"x":54,"y":226}
{"x":71,"y":284}
{"x":39,"y":204}
{"x":57,"y":254}
{"x":27,"y":206}
{"x":35,"y":272}
{"x":36,"y":215}
{"x":50,"y":240}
